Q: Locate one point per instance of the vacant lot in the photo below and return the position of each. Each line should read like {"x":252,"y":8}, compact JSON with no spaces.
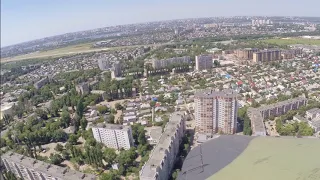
{"x":275,"y":158}
{"x":81,"y":48}
{"x":291,"y":41}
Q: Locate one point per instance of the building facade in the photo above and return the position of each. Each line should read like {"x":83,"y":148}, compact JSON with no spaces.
{"x":165,"y":63}
{"x":267,"y":55}
{"x":246,"y":53}
{"x":113,"y":136}
{"x":116,"y":70}
{"x":39,"y":84}
{"x":163,"y":155}
{"x":83,"y":88}
{"x":203,"y":62}
{"x":216,"y":111}
{"x":32,"y":169}
{"x":257,"y":115}
{"x":103,"y":64}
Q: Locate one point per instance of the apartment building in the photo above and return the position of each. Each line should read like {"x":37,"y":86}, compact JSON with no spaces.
{"x":203,"y":62}
{"x":103,"y":64}
{"x":113,"y":135}
{"x":216,"y":111}
{"x":83,"y":88}
{"x":116,"y":70}
{"x":31,"y":169}
{"x":163,"y":155}
{"x":39,"y":84}
{"x":313,"y":113}
{"x":267,"y":55}
{"x":257,"y":115}
{"x":246,"y":53}
{"x":291,"y":53}
{"x":165,"y":63}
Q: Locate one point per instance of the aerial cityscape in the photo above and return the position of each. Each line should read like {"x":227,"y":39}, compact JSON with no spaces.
{"x":234,"y":97}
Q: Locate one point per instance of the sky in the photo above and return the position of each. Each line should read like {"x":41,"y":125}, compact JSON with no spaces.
{"x":24,"y":20}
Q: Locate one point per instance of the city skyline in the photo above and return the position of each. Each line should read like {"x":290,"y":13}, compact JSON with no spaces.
{"x":22,"y":22}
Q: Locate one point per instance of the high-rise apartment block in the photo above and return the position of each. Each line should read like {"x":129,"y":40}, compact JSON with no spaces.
{"x":116,"y":70}
{"x":163,"y":155}
{"x":246,"y":53}
{"x":203,"y":62}
{"x":257,"y":115}
{"x":113,"y":136}
{"x":267,"y":55}
{"x":103,"y":64}
{"x":31,"y":169}
{"x":165,"y":63}
{"x":216,"y":111}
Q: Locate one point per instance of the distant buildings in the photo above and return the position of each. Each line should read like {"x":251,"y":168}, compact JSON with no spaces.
{"x":216,"y":111}
{"x":257,"y":115}
{"x":41,"y":83}
{"x":82,"y":88}
{"x":291,"y":53}
{"x":203,"y":62}
{"x":267,"y":55}
{"x":165,"y":63}
{"x":113,"y":136}
{"x":163,"y":155}
{"x":28,"y":168}
{"x":246,"y":54}
{"x":116,"y":70}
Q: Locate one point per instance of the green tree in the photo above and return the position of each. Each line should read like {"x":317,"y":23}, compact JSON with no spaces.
{"x":118,"y":106}
{"x":58,"y":147}
{"x":110,"y":155}
{"x":109,"y":176}
{"x":65,"y":118}
{"x":111,"y":119}
{"x":80,"y":108}
{"x":175,"y":174}
{"x":55,"y":159}
{"x":73,"y":139}
{"x":102,"y":109}
{"x":152,"y":103}
{"x":83,"y":123}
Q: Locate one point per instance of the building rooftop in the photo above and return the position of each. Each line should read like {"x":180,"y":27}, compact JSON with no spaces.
{"x":313,"y":111}
{"x":232,"y":157}
{"x":46,"y":168}
{"x":158,"y":152}
{"x":229,"y":93}
{"x":109,"y":126}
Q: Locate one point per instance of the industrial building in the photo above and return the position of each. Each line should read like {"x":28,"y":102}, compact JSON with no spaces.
{"x":216,"y":111}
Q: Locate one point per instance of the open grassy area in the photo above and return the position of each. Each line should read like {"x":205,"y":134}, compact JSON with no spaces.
{"x":275,"y":158}
{"x":80,"y":48}
{"x":291,"y":41}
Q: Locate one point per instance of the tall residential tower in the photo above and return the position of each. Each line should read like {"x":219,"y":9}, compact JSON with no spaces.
{"x":216,"y":111}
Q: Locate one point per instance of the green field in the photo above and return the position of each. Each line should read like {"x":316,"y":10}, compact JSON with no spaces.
{"x":80,"y":48}
{"x":291,"y":41}
{"x":268,"y":158}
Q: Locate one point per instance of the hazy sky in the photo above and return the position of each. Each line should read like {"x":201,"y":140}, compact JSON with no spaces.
{"x":23,"y":20}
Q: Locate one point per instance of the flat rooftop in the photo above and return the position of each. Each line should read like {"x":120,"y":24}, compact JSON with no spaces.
{"x":109,"y":126}
{"x":250,"y":158}
{"x":228,"y":93}
{"x":158,"y":152}
{"x":46,"y":168}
